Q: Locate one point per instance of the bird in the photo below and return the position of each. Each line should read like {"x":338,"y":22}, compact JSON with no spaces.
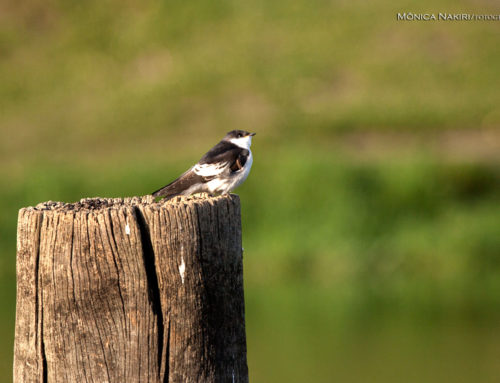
{"x":221,"y":170}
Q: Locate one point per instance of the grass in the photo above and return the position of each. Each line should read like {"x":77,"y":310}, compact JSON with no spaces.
{"x":371,"y":216}
{"x":412,"y":243}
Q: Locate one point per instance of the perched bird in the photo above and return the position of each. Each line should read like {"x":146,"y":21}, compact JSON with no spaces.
{"x":221,"y":170}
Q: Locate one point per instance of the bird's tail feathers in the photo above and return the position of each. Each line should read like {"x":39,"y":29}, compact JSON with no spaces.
{"x":168,"y":191}
{"x":179,"y":186}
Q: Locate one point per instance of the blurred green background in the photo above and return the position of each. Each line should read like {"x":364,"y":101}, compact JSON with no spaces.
{"x":371,"y":219}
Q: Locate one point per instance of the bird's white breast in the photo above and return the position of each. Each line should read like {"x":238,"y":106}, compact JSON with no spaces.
{"x":245,"y":171}
{"x":226,"y":184}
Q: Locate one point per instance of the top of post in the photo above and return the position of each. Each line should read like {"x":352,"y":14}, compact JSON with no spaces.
{"x":97,"y":203}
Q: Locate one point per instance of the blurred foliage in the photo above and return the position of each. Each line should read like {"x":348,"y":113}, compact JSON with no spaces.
{"x":371,"y":218}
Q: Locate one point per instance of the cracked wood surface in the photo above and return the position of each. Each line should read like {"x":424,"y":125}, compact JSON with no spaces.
{"x":130,"y":290}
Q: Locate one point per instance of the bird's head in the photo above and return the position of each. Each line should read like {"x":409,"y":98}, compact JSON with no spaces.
{"x":241,"y":138}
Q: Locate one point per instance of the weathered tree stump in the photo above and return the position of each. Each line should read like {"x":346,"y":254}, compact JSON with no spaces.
{"x":130,"y":290}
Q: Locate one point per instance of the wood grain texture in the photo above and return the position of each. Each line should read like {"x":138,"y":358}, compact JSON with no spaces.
{"x":130,"y":290}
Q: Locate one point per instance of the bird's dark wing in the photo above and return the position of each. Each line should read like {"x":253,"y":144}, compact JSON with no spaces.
{"x":226,"y":153}
{"x":184,"y":182}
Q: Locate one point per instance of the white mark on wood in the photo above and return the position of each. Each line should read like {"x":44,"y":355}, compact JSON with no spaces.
{"x":127,"y":229}
{"x":182,"y":269}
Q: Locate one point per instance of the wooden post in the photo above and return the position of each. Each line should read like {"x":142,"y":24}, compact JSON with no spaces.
{"x":130,"y":290}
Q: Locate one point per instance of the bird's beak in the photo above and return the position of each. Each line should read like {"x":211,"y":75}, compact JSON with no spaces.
{"x":252,"y":134}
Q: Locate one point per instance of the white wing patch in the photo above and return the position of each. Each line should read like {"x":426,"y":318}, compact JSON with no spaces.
{"x":210,"y":170}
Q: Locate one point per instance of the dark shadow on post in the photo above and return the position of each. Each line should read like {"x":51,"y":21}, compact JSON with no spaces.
{"x":153,"y":289}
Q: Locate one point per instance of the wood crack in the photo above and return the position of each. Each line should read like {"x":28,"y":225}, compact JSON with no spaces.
{"x":152,"y":281}
{"x":39,"y":305}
